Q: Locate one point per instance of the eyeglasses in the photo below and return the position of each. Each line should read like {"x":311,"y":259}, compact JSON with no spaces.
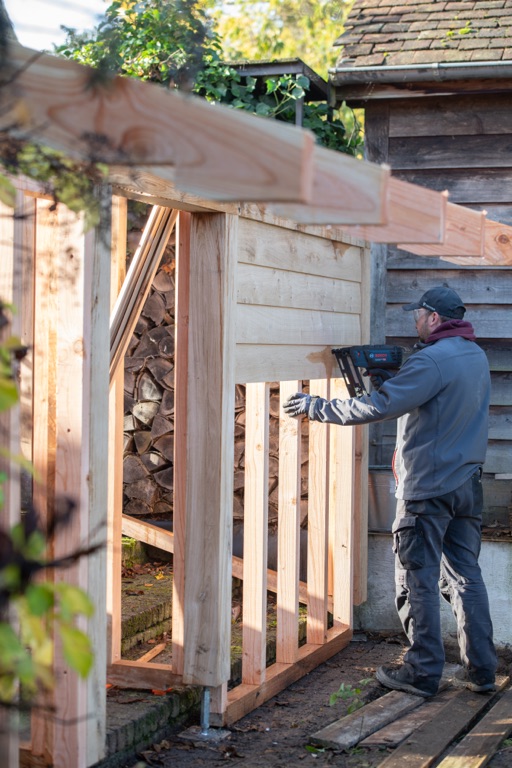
{"x":417,"y":313}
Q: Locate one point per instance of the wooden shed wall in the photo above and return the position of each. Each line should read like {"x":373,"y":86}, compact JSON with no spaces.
{"x":461,"y":143}
{"x":298,"y":295}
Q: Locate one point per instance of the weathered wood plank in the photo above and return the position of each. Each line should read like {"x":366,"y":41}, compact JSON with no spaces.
{"x":470,"y":152}
{"x":485,"y":114}
{"x":207,"y":146}
{"x":406,"y":285}
{"x":272,"y":246}
{"x":261,"y":325}
{"x":432,"y":738}
{"x":351,"y":729}
{"x":487,"y":321}
{"x":476,"y":749}
{"x":288,"y":529}
{"x":281,"y":288}
{"x":465,"y":187}
{"x":393,"y":734}
{"x":254,"y":638}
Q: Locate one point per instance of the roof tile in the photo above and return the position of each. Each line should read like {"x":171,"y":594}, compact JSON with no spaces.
{"x":425,"y":32}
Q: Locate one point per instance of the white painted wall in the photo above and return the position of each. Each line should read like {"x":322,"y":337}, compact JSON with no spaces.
{"x":379,"y":613}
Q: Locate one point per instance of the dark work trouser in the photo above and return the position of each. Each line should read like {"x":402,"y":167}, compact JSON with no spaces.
{"x":437,"y":543}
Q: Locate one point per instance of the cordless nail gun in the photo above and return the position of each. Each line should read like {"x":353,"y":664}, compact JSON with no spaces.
{"x":378,"y":362}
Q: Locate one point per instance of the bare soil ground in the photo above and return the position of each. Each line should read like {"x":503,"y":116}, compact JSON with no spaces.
{"x":278,"y":733}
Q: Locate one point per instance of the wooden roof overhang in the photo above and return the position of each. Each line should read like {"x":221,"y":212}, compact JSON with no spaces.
{"x":166,"y":146}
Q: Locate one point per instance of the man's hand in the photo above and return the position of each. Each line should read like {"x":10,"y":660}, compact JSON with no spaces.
{"x":297,"y":404}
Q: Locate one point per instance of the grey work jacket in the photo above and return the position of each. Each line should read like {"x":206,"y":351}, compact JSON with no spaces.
{"x":441,"y":399}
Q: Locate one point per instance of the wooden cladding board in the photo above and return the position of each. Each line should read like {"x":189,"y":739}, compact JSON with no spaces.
{"x":297,"y":297}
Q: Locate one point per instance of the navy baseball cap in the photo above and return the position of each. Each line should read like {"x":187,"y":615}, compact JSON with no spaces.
{"x":442,"y":300}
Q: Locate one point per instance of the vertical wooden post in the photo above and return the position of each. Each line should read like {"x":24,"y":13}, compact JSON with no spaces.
{"x":255,"y":533}
{"x":341,"y":510}
{"x":181,"y":373}
{"x":10,"y":293}
{"x":77,"y":445}
{"x":288,"y":531}
{"x":44,"y":408}
{"x":115,"y":438}
{"x":318,"y":517}
{"x":210,"y":449}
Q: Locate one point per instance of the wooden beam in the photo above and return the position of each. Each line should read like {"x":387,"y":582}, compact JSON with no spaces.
{"x":497,"y":248}
{"x":464,"y":235}
{"x":345,"y":191}
{"x":414,"y":214}
{"x":158,"y":537}
{"x":137,"y":283}
{"x":213,"y":150}
{"x":142,"y":675}
{"x":210,"y":449}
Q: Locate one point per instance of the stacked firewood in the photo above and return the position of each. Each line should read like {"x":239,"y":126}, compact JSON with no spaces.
{"x":148,"y":471}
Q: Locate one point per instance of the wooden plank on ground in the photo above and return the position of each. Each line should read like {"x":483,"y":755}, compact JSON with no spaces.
{"x":206,"y":147}
{"x":476,"y":749}
{"x":464,"y":235}
{"x":351,"y":729}
{"x":432,"y":738}
{"x":415,"y":214}
{"x":345,"y":191}
{"x":393,"y":734}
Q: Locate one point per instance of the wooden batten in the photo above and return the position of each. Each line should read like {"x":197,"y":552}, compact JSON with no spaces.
{"x":214,"y":151}
{"x":135,"y":288}
{"x":345,"y":191}
{"x":414,"y":214}
{"x":318,"y":521}
{"x":115,"y":436}
{"x":497,"y":248}
{"x":288,"y":531}
{"x":464,"y":235}
{"x":209,"y":449}
{"x":254,"y":639}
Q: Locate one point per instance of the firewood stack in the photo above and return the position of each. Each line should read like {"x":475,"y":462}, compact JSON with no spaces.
{"x":149,"y":413}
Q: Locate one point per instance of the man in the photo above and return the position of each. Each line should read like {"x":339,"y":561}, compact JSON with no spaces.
{"x":441,"y":399}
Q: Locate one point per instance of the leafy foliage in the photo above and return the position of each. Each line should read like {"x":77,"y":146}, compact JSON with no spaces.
{"x":269,"y":29}
{"x":350,"y":693}
{"x":173,"y":43}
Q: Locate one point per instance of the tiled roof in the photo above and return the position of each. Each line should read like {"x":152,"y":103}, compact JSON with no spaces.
{"x":390,"y":32}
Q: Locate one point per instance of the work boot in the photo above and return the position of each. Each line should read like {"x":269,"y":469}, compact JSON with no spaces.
{"x":400,"y":679}
{"x":481,"y":686}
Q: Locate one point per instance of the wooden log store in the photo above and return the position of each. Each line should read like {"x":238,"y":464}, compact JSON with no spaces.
{"x":264,"y":289}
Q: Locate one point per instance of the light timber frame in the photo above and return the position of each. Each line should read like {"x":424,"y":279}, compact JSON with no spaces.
{"x":260,"y":299}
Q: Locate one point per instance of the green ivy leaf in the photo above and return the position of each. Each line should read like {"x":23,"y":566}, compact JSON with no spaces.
{"x":40,"y":598}
{"x":8,"y":393}
{"x":7,"y":192}
{"x":73,"y":601}
{"x":76,"y":648}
